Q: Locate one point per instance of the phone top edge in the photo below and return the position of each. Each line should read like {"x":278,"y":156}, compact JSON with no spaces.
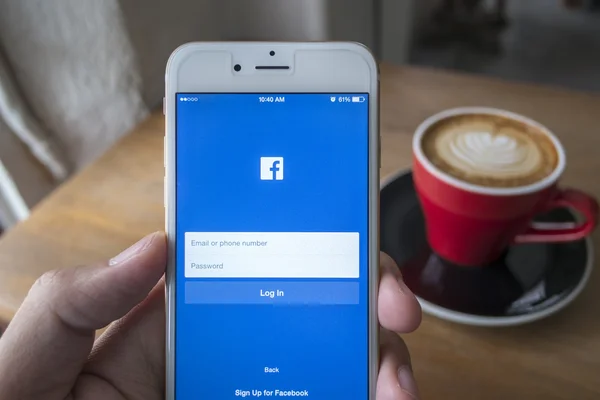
{"x":187,"y":48}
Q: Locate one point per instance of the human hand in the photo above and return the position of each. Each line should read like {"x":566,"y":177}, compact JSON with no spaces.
{"x":48,"y":351}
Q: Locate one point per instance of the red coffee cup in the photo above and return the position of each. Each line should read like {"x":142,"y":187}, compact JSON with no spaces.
{"x":471,"y":225}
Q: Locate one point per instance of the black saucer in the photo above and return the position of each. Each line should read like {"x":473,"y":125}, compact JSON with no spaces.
{"x":528,"y":283}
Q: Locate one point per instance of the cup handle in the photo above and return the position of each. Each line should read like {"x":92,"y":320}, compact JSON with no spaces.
{"x":581,"y":202}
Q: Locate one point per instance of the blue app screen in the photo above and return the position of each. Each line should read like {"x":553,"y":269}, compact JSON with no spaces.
{"x":272,"y":241}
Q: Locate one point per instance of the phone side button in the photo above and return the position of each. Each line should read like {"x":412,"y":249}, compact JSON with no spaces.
{"x":165,"y":197}
{"x":164,"y":106}
{"x":379,"y":145}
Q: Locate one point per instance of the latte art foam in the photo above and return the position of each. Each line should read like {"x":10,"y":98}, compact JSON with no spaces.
{"x":498,"y":155}
{"x":490,"y":151}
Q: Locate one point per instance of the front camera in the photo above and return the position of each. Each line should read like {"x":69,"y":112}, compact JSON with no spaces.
{"x":237,"y":67}
{"x":272,"y":53}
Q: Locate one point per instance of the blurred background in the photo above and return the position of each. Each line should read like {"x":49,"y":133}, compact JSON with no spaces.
{"x":75,"y":76}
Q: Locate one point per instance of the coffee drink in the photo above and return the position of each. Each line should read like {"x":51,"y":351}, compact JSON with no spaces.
{"x":490,"y":150}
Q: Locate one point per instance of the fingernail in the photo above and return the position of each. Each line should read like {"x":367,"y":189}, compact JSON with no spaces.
{"x":407,"y":382}
{"x":132,"y":251}
{"x":402,"y":285}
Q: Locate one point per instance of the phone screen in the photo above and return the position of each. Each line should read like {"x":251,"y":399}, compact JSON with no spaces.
{"x":272,"y":284}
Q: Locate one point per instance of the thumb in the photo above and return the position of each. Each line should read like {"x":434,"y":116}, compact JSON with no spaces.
{"x":50,"y":337}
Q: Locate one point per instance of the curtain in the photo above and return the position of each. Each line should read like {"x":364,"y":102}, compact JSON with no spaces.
{"x":69,"y":88}
{"x":30,"y":164}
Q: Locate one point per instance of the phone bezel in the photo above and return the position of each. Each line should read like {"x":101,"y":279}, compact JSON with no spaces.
{"x":316,"y":67}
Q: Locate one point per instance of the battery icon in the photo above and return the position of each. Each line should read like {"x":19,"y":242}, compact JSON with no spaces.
{"x":358,"y":99}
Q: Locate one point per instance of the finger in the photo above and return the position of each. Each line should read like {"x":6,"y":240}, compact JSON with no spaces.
{"x":130,"y":354}
{"x":50,"y":337}
{"x":398,"y":308}
{"x":396,"y":380}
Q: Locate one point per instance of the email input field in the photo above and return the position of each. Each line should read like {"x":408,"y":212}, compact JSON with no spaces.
{"x":271,"y":255}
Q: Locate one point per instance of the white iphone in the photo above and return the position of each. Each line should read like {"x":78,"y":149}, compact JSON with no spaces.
{"x":271,"y":198}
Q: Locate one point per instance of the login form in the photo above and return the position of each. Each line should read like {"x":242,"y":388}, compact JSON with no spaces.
{"x":271,"y":235}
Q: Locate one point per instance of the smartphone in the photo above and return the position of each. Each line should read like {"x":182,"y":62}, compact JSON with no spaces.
{"x":271,"y":199}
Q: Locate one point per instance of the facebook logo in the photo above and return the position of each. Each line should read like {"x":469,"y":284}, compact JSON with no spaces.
{"x":271,"y":168}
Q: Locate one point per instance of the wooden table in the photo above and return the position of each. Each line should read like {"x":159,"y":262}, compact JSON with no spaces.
{"x":119,"y":198}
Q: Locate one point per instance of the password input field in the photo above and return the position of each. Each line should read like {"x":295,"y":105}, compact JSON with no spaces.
{"x":271,"y":255}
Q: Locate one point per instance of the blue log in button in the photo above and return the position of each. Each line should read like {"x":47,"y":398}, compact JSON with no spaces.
{"x":271,"y":292}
